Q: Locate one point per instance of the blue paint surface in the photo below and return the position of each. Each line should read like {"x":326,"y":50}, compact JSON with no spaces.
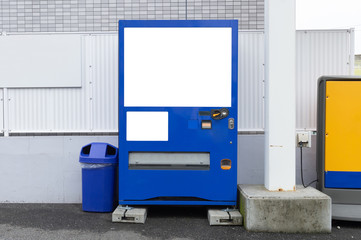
{"x":99,"y":153}
{"x":99,"y":189}
{"x":211,"y":187}
{"x":151,"y":202}
{"x":335,"y":179}
{"x":99,"y":184}
{"x":192,"y":124}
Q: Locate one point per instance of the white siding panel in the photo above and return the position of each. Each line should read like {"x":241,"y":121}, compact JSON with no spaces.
{"x":2,"y":110}
{"x":51,"y":109}
{"x":47,"y":110}
{"x":91,"y":108}
{"x":318,"y":53}
{"x":250,"y":81}
{"x":104,"y":78}
{"x":321,"y":52}
{"x":94,"y":106}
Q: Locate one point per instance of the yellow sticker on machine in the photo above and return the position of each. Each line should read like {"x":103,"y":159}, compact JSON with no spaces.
{"x":343,"y":126}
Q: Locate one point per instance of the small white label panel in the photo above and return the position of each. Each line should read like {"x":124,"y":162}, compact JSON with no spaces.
{"x":147,"y":126}
{"x":177,"y":67}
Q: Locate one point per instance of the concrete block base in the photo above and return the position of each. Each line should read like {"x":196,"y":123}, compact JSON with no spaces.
{"x":222,"y":217}
{"x":305,"y":210}
{"x":129,"y":215}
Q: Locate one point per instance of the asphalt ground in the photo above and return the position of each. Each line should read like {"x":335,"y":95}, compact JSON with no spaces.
{"x":68,"y":221}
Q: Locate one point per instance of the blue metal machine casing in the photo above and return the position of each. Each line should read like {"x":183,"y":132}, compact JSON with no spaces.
{"x":214,"y":186}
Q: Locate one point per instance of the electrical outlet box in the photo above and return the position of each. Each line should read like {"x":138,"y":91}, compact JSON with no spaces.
{"x":303,"y":139}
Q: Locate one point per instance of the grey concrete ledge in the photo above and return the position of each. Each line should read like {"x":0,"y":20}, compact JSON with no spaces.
{"x":305,"y":210}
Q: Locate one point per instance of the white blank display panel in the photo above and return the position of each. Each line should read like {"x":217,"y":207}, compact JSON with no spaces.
{"x":177,"y":67}
{"x":147,"y":126}
{"x":28,"y":61}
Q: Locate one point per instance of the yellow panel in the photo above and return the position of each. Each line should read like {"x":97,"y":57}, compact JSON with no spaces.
{"x":343,"y":126}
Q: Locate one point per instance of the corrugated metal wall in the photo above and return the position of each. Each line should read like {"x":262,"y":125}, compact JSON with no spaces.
{"x":94,"y":106}
{"x":52,"y":109}
{"x":321,"y":52}
{"x":103,"y":79}
{"x":91,"y":108}
{"x":318,"y":53}
{"x":1,"y":109}
{"x":250,"y":81}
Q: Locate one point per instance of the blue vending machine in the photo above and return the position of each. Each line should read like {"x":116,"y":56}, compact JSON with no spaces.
{"x":178,"y":112}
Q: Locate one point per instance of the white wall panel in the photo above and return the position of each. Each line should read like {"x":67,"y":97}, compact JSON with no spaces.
{"x":318,"y":53}
{"x":321,"y":52}
{"x":51,"y":109}
{"x":47,"y":110}
{"x":43,"y":169}
{"x":103,"y":79}
{"x":40,"y":60}
{"x":91,"y":108}
{"x":94,"y":106}
{"x":1,"y":111}
{"x":250,"y":81}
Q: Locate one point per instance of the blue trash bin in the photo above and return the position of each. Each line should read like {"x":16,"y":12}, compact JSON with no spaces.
{"x":99,"y":162}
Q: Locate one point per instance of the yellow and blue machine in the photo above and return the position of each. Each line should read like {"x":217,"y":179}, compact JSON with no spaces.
{"x":197,"y":163}
{"x":339,"y":144}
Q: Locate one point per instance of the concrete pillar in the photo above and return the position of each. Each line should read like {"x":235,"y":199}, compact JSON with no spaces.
{"x":280,"y":102}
